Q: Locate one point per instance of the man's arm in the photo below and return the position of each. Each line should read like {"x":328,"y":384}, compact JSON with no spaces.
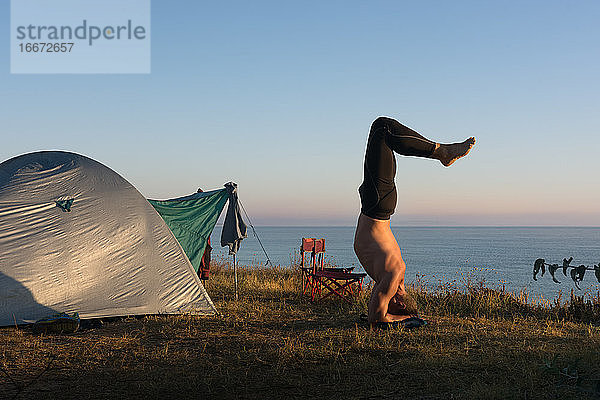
{"x":382,"y":294}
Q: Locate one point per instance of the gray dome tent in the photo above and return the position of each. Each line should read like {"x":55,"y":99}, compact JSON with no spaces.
{"x":77,"y":237}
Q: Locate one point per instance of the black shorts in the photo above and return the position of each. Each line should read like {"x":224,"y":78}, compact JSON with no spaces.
{"x":378,"y":191}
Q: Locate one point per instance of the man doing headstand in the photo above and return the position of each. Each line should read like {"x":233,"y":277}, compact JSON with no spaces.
{"x":374,"y":243}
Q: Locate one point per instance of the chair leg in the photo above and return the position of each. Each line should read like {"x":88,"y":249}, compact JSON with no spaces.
{"x":305,"y":281}
{"x":338,"y":289}
{"x":316,"y":289}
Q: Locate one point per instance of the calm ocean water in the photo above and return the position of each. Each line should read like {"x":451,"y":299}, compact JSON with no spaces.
{"x":500,"y":255}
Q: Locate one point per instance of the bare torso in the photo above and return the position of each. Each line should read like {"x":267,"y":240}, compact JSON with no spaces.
{"x":374,"y":243}
{"x":380,"y":256}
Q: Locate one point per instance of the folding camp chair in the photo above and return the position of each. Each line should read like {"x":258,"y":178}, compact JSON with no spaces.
{"x":307,"y":265}
{"x":316,"y":278}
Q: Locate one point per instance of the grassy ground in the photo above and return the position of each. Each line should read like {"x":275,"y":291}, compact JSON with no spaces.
{"x":275,"y":343}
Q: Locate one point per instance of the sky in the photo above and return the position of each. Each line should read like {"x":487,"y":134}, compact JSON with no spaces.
{"x":279,"y":96}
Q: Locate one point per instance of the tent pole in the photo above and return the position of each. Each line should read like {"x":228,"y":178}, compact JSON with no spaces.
{"x":235,"y":277}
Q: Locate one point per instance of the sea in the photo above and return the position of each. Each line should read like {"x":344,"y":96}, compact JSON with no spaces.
{"x":496,"y":257}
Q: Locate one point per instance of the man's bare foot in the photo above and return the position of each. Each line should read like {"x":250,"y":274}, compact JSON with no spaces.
{"x":448,"y":153}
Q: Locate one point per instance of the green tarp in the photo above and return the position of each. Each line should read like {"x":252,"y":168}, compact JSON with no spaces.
{"x":192,"y":220}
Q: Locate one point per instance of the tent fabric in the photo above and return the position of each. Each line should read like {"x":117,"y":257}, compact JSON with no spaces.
{"x":234,"y":228}
{"x":110,"y":255}
{"x":192,"y":220}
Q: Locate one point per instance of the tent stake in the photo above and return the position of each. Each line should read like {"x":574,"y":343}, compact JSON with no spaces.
{"x":235,"y":277}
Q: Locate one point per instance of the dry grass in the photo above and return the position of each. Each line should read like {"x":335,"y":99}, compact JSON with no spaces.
{"x":275,"y":343}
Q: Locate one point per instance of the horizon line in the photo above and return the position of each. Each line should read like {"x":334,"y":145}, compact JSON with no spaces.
{"x":428,"y":226}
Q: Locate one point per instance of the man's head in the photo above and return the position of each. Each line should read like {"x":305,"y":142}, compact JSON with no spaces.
{"x":403,"y":304}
